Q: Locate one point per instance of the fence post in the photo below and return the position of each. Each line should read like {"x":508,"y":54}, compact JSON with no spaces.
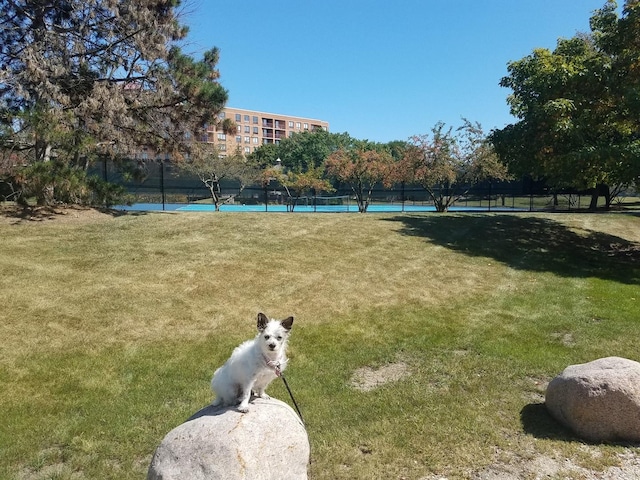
{"x":489,"y":195}
{"x":266,"y":198}
{"x":162,"y":182}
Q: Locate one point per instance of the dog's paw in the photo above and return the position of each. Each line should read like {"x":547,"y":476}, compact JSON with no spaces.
{"x":264,"y":396}
{"x":243,"y":408}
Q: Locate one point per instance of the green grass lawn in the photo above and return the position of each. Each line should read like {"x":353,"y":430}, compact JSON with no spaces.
{"x":112,"y":325}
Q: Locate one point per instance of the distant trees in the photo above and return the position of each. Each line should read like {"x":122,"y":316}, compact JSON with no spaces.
{"x":306,"y":151}
{"x":447,"y":163}
{"x":84,"y":79}
{"x":579,"y":108}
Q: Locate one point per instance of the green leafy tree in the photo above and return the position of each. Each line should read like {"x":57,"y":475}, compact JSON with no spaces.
{"x":265,"y":156}
{"x":76,"y":76}
{"x":578,"y":108}
{"x":300,"y":162}
{"x":306,"y":151}
{"x":362,"y":166}
{"x":449,"y":163}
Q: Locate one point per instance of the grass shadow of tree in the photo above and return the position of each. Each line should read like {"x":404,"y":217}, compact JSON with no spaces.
{"x":33,"y":214}
{"x":531,"y":243}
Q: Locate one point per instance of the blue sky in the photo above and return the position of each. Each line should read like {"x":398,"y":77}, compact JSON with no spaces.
{"x":379,"y":70}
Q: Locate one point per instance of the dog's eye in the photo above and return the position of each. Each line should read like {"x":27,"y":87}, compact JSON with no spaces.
{"x":266,"y":337}
{"x":279,"y":337}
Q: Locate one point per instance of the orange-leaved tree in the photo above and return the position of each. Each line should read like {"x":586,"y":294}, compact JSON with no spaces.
{"x":362,"y":166}
{"x":447,"y":163}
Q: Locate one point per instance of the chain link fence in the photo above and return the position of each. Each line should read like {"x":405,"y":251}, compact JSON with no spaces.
{"x":161,"y":184}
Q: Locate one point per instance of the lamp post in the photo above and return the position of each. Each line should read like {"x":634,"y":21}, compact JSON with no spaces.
{"x":277,"y":166}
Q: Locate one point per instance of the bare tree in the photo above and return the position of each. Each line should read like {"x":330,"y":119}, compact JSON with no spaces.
{"x":211,"y":168}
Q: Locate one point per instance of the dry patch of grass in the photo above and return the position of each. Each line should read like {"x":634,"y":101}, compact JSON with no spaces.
{"x":367,"y":378}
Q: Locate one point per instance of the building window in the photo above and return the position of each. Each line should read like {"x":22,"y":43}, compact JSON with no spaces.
{"x":247,"y":149}
{"x":238,"y":117}
{"x":222,"y":136}
{"x":255,"y":130}
{"x":238,"y":139}
{"x":298,"y":125}
{"x":247,"y":139}
{"x":239,"y":128}
{"x":290,"y":124}
{"x":222,"y":147}
{"x":246,"y":118}
{"x":255,"y":120}
{"x":255,"y":140}
{"x":306,"y":126}
{"x":247,"y":129}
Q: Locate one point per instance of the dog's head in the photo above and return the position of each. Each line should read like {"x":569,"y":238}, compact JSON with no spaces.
{"x":273,"y":334}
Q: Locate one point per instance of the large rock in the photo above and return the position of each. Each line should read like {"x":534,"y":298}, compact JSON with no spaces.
{"x":599,"y":400}
{"x":268,"y":442}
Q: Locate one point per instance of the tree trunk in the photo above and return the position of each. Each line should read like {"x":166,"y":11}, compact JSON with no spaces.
{"x":600,"y":189}
{"x":606,"y":192}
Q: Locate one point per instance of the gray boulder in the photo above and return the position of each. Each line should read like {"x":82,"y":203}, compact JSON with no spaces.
{"x":268,"y":442}
{"x":599,"y":400}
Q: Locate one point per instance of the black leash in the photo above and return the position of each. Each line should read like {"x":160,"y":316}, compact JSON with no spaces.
{"x":293,"y":399}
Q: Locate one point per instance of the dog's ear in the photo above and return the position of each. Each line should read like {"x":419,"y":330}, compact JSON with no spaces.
{"x":262,"y":321}
{"x":287,"y":323}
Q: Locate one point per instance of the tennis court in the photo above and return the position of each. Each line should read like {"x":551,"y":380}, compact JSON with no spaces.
{"x":348,"y":208}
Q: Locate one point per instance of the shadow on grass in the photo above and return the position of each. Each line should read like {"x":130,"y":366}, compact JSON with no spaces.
{"x":531,"y":243}
{"x":48,"y":213}
{"x":537,"y":421}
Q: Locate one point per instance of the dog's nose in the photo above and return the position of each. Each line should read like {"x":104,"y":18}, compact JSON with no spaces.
{"x":272,"y":346}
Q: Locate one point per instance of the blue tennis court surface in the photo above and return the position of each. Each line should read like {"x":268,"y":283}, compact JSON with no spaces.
{"x":351,"y":208}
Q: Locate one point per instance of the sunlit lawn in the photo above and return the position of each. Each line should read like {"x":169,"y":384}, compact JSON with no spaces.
{"x":111,"y":326}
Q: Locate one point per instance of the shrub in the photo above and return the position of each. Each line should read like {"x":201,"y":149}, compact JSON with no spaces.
{"x":51,"y":182}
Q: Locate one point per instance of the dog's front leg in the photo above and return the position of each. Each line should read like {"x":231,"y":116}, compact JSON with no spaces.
{"x":245,"y":396}
{"x":260,"y":393}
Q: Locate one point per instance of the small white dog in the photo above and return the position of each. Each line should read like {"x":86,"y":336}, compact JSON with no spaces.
{"x":253,"y":365}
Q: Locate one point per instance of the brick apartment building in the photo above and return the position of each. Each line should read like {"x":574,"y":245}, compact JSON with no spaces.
{"x":257,"y":128}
